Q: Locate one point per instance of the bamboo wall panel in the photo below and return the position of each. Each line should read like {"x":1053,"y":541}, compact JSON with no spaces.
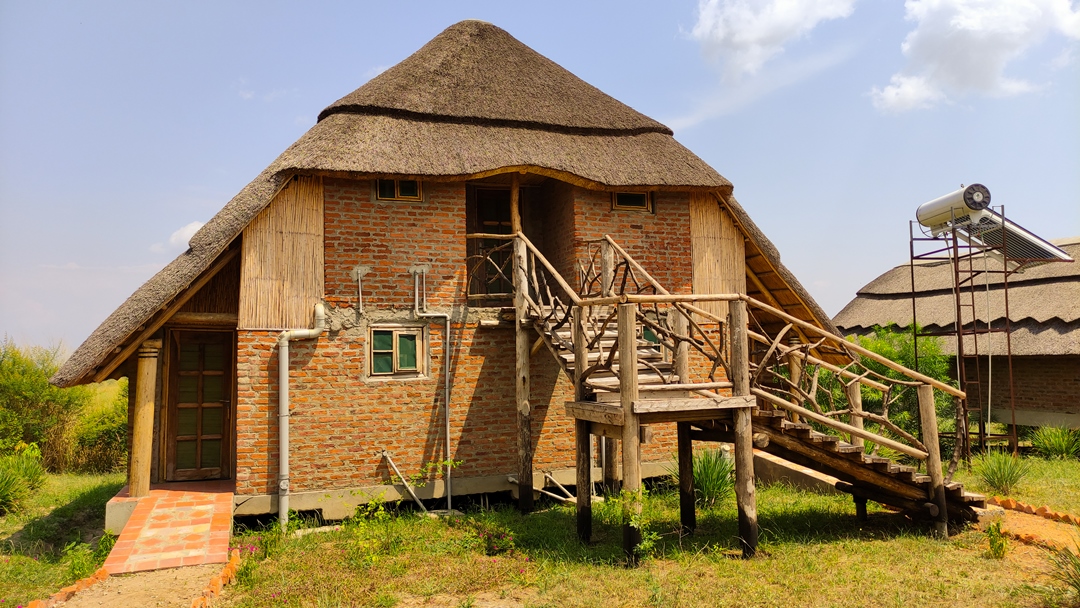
{"x":221,"y":294}
{"x":719,"y":258}
{"x":281,"y":276}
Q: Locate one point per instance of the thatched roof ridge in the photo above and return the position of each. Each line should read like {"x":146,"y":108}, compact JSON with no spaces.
{"x":476,"y":73}
{"x":1044,"y":304}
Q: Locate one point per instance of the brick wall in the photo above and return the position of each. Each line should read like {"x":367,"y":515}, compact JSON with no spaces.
{"x":341,"y":418}
{"x":1044,"y":383}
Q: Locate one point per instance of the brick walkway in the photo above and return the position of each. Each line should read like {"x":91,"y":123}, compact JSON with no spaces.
{"x":175,"y":527}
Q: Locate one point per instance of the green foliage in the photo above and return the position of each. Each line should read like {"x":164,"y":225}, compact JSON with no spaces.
{"x":714,"y":477}
{"x":101,"y":436}
{"x":1066,"y":568}
{"x":493,"y":537}
{"x":26,"y":463}
{"x":1000,"y":470}
{"x":1056,"y":442}
{"x":31,"y":409}
{"x":13,"y":490}
{"x":998,"y":545}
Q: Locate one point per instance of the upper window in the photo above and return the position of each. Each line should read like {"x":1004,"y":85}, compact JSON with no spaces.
{"x":632,"y":201}
{"x":398,"y":190}
{"x":397,"y":351}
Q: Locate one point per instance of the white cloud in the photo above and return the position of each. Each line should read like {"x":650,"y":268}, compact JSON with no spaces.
{"x":178,"y":239}
{"x":961,"y":47}
{"x":745,"y":34}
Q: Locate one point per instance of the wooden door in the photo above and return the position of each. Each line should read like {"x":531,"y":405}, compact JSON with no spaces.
{"x":199,"y":421}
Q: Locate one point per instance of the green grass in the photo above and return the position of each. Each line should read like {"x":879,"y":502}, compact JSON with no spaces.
{"x":54,"y":539}
{"x":1055,"y":483}
{"x":813,"y":552}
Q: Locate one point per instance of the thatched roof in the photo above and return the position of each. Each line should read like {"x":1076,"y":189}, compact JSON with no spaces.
{"x":473,"y":102}
{"x":1044,"y":304}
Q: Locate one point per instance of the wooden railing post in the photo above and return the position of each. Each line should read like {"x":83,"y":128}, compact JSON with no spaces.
{"x":745,"y":494}
{"x":928,"y":419}
{"x":631,"y":442}
{"x":795,"y":370}
{"x":523,"y":346}
{"x":142,"y":427}
{"x":681,"y":357}
{"x":854,"y":395}
{"x":582,"y":437}
{"x":610,"y":462}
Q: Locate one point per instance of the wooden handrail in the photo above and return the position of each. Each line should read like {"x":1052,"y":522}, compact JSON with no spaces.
{"x":486,"y":235}
{"x":638,"y":267}
{"x":869,"y":354}
{"x":840,"y":426}
{"x":551,"y":269}
{"x":812,"y":360}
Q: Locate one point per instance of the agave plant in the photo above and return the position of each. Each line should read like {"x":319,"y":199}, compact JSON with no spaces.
{"x":1056,"y":442}
{"x":1001,"y":471}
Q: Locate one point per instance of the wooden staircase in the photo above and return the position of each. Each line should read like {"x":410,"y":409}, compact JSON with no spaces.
{"x":665,"y":396}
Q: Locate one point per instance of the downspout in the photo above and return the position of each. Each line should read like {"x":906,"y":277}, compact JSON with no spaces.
{"x":417,"y":272}
{"x":283,"y":406}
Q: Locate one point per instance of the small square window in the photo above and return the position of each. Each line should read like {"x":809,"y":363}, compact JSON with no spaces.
{"x":396,"y":351}
{"x":632,"y":201}
{"x":398,"y":190}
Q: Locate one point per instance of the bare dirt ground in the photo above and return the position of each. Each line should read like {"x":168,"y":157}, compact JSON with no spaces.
{"x":1061,"y":534}
{"x":510,"y":598}
{"x":165,"y":588}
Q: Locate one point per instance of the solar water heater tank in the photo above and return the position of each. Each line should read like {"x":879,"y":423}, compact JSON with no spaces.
{"x":966,"y":205}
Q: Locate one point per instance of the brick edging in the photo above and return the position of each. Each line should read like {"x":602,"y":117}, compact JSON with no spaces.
{"x":218,"y":582}
{"x":66,"y":593}
{"x":1043,"y":512}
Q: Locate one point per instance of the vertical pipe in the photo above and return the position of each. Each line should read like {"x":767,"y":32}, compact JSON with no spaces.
{"x":420,"y":277}
{"x":928,"y":418}
{"x":142,"y":427}
{"x":631,"y":439}
{"x":745,"y":493}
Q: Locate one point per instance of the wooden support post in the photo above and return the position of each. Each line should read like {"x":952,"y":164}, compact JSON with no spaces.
{"x":928,"y":419}
{"x":515,"y":203}
{"x":631,"y":439}
{"x":795,"y":368}
{"x":745,"y":494}
{"x":521,"y":378}
{"x":854,"y":395}
{"x":582,"y":437}
{"x":610,"y":463}
{"x":142,"y":427}
{"x":860,"y":507}
{"x":681,"y":358}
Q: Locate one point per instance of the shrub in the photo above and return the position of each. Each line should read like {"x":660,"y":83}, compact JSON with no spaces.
{"x":998,"y":544}
{"x":27,"y":467}
{"x":101,"y":437}
{"x":1001,"y":471}
{"x":1056,"y":442}
{"x":1066,"y":568}
{"x":31,"y":409}
{"x":12,"y":491}
{"x":714,"y":477}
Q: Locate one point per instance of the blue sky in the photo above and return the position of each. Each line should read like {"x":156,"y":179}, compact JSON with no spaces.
{"x":125,"y":125}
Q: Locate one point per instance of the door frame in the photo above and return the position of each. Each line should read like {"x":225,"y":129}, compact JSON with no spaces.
{"x":170,"y":389}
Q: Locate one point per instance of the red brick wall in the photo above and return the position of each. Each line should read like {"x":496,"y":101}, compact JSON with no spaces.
{"x":341,"y":419}
{"x":1045,"y":383}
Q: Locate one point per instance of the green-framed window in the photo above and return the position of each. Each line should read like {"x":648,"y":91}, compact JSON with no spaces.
{"x":398,"y":190}
{"x":397,"y":351}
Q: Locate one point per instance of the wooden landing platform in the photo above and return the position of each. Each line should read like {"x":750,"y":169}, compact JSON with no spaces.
{"x":659,"y":410}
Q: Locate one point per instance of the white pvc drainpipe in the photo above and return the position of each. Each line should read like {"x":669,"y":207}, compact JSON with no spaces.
{"x":283,"y":406}
{"x":417,"y":273}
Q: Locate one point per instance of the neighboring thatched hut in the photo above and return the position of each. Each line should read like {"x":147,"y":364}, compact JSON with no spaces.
{"x":1044,"y":314}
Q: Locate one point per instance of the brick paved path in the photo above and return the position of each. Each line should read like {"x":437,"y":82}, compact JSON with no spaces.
{"x":171,"y":528}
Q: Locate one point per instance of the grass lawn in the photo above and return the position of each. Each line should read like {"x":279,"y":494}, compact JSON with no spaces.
{"x":1055,"y":483}
{"x":55,"y":539}
{"x":813,"y":553}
